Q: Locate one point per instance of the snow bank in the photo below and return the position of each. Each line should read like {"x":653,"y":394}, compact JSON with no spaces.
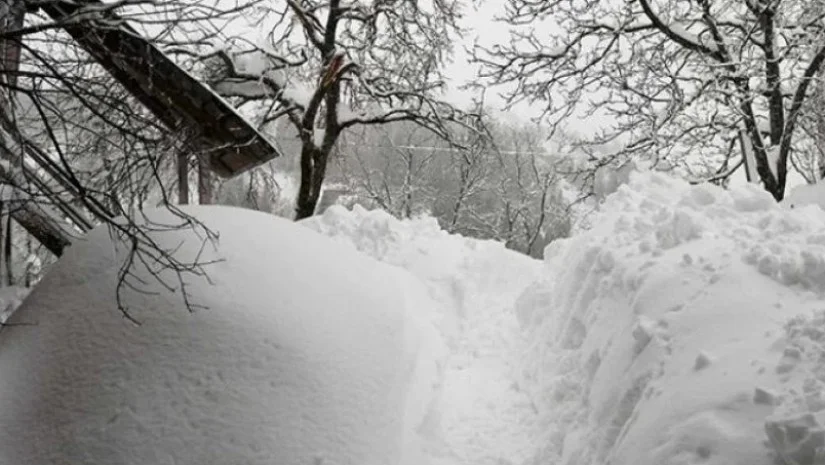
{"x":806,"y":194}
{"x":684,"y":328}
{"x":305,"y":355}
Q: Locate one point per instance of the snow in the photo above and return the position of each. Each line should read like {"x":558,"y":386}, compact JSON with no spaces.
{"x":704,"y":38}
{"x":806,"y":194}
{"x":304,"y":355}
{"x":476,"y":414}
{"x":684,"y":326}
{"x":658,"y":336}
{"x":772,"y":154}
{"x":608,"y":178}
{"x":257,"y":65}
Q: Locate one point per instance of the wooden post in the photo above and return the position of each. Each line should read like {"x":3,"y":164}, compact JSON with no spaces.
{"x":28,"y":214}
{"x":183,"y":177}
{"x":205,"y":183}
{"x":7,"y":252}
{"x":12,"y":13}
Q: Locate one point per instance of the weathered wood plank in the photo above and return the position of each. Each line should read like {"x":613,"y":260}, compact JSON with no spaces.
{"x":178,"y":99}
{"x":26,"y":212}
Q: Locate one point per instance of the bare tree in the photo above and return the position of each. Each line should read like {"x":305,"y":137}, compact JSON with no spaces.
{"x":332,"y":66}
{"x":722,"y":81}
{"x":389,"y":167}
{"x":533,"y":212}
{"x":78,"y":149}
{"x":499,"y":185}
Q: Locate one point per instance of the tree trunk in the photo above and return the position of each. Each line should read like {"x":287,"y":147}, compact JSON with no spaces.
{"x":819,"y":133}
{"x":183,"y":178}
{"x":313,"y":170}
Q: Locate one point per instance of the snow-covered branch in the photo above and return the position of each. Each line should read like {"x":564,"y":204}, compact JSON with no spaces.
{"x":665,"y":79}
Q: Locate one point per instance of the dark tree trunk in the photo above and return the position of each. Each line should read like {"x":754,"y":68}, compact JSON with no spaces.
{"x":313,"y":170}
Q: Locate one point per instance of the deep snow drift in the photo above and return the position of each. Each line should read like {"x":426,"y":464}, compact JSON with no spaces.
{"x":679,"y":329}
{"x":687,"y":326}
{"x":305,"y":355}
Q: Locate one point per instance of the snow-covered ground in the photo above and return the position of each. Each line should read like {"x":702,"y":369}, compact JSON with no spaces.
{"x":686,"y":326}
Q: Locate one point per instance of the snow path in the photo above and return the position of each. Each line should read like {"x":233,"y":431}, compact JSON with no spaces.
{"x":482,"y":408}
{"x":479,"y":414}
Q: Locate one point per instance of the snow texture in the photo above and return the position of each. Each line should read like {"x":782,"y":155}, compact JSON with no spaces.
{"x":304,"y":356}
{"x":806,"y":194}
{"x":477,"y":412}
{"x":661,"y":335}
{"x":683,"y":327}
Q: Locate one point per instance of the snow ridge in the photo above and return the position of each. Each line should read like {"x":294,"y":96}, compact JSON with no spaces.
{"x":658,"y":336}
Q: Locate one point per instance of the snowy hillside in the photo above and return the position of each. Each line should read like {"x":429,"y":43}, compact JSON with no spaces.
{"x":686,"y":327}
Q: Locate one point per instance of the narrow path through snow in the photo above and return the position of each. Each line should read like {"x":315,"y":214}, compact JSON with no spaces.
{"x":478,"y":412}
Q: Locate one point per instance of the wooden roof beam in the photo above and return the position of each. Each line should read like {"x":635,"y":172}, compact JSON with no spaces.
{"x":182,"y":102}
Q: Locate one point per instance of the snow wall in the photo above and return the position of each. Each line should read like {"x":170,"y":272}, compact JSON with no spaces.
{"x":686,"y":327}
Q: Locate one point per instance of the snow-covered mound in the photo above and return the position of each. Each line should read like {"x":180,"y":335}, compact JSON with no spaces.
{"x":685,"y":328}
{"x":806,"y":194}
{"x":305,"y":355}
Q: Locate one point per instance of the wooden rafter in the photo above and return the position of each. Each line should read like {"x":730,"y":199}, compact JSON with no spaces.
{"x":180,"y":101}
{"x":230,"y":143}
